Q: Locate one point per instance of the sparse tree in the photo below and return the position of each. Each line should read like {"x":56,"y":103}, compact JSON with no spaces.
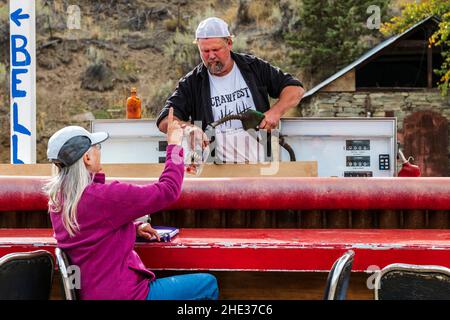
{"x":330,"y":34}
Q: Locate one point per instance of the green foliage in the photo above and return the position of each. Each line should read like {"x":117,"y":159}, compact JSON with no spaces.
{"x":183,"y":52}
{"x":4,"y":12}
{"x":240,"y":44}
{"x":94,"y":55}
{"x":4,"y":85}
{"x":415,"y":12}
{"x":330,"y":32}
{"x":2,"y":70}
{"x":158,"y":97}
{"x":126,"y":69}
{"x":101,"y":114}
{"x":181,"y":48}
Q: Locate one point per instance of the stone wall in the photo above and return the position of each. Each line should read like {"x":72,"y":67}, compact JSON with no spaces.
{"x":399,"y":104}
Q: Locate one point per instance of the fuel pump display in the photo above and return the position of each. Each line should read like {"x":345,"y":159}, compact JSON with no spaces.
{"x":344,"y":147}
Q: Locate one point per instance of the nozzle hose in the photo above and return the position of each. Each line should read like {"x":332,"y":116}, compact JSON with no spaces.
{"x":225,"y":119}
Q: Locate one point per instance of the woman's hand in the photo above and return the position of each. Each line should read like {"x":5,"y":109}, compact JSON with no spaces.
{"x":146,"y":231}
{"x":174,"y":129}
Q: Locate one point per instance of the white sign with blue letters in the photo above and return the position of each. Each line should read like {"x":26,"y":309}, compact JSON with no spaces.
{"x":23,"y":81}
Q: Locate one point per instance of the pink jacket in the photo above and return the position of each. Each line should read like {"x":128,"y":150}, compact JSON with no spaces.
{"x":103,"y":248}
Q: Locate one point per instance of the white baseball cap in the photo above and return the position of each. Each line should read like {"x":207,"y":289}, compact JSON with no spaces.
{"x":69,"y":144}
{"x":212,"y":28}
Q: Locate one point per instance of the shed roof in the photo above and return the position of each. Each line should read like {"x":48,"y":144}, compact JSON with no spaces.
{"x":369,"y":54}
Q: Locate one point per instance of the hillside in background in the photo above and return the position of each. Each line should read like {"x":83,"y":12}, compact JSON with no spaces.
{"x":86,"y":73}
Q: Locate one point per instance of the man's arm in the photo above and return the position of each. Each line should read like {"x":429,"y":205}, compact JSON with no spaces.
{"x":180,"y":102}
{"x":290,"y":97}
{"x":163,"y":124}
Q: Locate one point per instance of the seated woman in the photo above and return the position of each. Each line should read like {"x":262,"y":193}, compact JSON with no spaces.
{"x":94,"y":222}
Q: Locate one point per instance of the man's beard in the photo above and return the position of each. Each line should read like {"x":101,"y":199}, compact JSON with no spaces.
{"x":214,"y":68}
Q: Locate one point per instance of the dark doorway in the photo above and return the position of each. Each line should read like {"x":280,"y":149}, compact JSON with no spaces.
{"x":425,"y":136}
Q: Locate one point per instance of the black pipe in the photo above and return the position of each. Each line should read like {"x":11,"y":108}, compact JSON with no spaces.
{"x":287,"y":147}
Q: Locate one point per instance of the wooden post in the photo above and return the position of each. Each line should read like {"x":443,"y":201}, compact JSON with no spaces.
{"x":7,"y":219}
{"x":338,"y":219}
{"x":236,"y":219}
{"x":186,"y":218}
{"x":259,"y":219}
{"x":430,"y":67}
{"x":311,"y":219}
{"x":159,"y":218}
{"x":31,"y":219}
{"x":211,"y":218}
{"x":389,"y":219}
{"x":438,"y":219}
{"x":362,"y":219}
{"x":414,"y":219}
{"x":286,"y":219}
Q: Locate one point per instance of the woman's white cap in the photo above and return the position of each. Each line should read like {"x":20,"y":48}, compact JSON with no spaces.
{"x":68,"y":145}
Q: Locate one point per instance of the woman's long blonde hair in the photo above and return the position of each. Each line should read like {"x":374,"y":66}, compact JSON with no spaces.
{"x":64,"y":191}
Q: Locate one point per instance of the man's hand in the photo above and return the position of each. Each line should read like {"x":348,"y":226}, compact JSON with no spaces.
{"x":290,"y":96}
{"x":146,"y":231}
{"x":271,"y":119}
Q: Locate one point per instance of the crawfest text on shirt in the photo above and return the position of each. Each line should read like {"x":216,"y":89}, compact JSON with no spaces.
{"x":230,"y":95}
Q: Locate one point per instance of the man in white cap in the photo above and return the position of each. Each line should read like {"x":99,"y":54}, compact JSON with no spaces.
{"x":228,"y":83}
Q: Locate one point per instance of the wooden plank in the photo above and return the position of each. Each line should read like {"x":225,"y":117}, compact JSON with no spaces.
{"x":415,"y":52}
{"x":139,"y":170}
{"x":411,"y":44}
{"x":285,"y":169}
{"x":25,"y":169}
{"x":429,"y":67}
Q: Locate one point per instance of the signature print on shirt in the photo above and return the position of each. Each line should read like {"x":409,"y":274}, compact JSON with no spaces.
{"x":229,"y":104}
